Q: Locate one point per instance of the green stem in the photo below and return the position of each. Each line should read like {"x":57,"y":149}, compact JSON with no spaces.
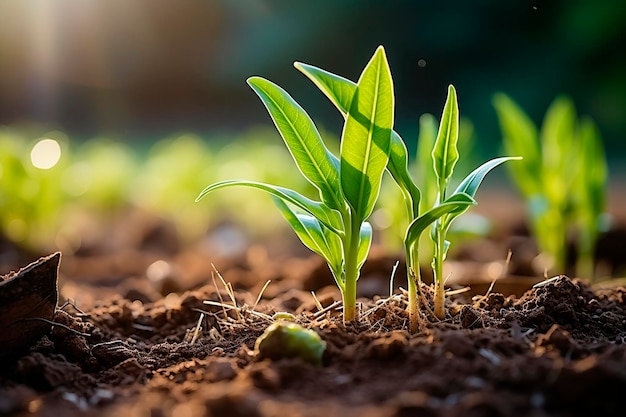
{"x":412,"y":270}
{"x":561,"y":235}
{"x":351,"y":252}
{"x":551,"y":232}
{"x":440,"y":240}
{"x":585,"y":256}
{"x":413,"y":279}
{"x":439,"y":301}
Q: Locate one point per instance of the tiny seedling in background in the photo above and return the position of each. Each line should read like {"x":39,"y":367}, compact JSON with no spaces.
{"x":563,"y":178}
{"x":334,"y":227}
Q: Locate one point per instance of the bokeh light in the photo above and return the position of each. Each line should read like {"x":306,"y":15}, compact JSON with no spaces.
{"x":45,"y":154}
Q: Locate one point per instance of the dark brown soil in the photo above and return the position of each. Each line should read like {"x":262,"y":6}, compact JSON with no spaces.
{"x":558,"y":350}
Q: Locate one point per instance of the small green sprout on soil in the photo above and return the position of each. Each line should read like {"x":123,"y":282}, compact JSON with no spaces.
{"x":334,"y":227}
{"x":284,"y":339}
{"x":563,"y":178}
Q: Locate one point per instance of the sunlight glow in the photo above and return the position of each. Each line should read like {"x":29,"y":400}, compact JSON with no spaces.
{"x":45,"y":154}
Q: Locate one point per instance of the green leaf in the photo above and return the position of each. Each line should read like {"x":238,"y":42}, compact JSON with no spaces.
{"x":426,"y":176}
{"x":588,"y":194}
{"x":365,"y":242}
{"x":314,"y":236}
{"x":470,"y":184}
{"x":520,"y":137}
{"x":303,"y":140}
{"x":340,"y":91}
{"x":329,"y":244}
{"x":329,"y":218}
{"x":457,"y":202}
{"x":366,"y":137}
{"x":445,"y":152}
{"x":557,"y":130}
{"x":594,"y":175}
{"x":559,"y":150}
{"x":398,"y":167}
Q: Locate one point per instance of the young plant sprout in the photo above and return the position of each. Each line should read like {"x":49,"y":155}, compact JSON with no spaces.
{"x":445,"y":156}
{"x":339,"y":91}
{"x":334,"y":227}
{"x":563,"y":178}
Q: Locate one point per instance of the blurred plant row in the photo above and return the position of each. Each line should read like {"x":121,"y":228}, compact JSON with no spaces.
{"x":55,"y":198}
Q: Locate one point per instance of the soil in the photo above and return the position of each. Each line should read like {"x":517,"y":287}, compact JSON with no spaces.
{"x":123,"y":345}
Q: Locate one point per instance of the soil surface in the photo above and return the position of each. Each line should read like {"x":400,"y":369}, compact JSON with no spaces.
{"x":126,"y":345}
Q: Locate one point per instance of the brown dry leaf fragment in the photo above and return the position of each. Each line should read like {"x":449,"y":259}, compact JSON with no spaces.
{"x":26,"y":297}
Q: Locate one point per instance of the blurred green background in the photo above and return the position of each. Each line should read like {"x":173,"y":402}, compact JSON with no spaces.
{"x":140,"y":70}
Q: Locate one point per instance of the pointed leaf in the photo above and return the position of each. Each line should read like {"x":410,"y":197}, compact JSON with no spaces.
{"x":326,"y":216}
{"x":470,"y":184}
{"x":302,"y":138}
{"x":366,"y":137}
{"x":445,"y":152}
{"x":340,"y":91}
{"x":457,"y":202}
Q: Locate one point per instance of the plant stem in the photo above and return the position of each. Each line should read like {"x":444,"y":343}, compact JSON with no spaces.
{"x":439,"y":301}
{"x":351,"y":251}
{"x":585,"y":256}
{"x":552,"y":235}
{"x":413,"y":279}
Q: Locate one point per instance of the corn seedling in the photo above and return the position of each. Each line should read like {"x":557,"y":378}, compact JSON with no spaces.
{"x":444,"y":157}
{"x":334,"y":227}
{"x":563,"y":178}
{"x":340,"y":90}
{"x":391,"y":215}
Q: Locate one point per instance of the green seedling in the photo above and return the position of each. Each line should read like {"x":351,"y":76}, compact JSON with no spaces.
{"x":334,"y":227}
{"x":392,"y":217}
{"x":563,"y":178}
{"x":445,"y":155}
{"x":284,"y":339}
{"x":339,"y":91}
